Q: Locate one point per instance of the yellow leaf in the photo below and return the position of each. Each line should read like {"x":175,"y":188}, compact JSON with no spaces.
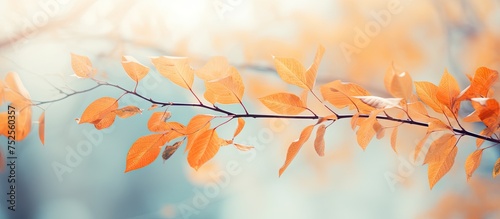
{"x":82,"y":66}
{"x":170,"y":150}
{"x":226,"y":90}
{"x":319,"y":142}
{"x":127,"y":111}
{"x":496,"y":168}
{"x":427,"y":92}
{"x":134,"y":68}
{"x":448,"y":92}
{"x":283,"y":103}
{"x":472,"y":162}
{"x":216,"y":68}
{"x":144,"y":151}
{"x":291,"y":71}
{"x":41,"y":128}
{"x":205,"y":147}
{"x":98,"y":109}
{"x":176,"y":69}
{"x":197,"y":125}
{"x":379,"y":102}
{"x":295,"y":147}
{"x":313,"y":69}
{"x":397,"y":83}
{"x":243,"y":147}
{"x":394,"y":137}
{"x":241,"y":124}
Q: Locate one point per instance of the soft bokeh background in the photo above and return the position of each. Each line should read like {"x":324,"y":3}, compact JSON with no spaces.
{"x":423,"y":38}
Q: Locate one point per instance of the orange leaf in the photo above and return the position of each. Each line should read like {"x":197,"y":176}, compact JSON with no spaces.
{"x":291,"y":71}
{"x":157,"y":121}
{"x":419,"y":146}
{"x":437,"y":125}
{"x":472,"y":162}
{"x":243,"y":147}
{"x":226,"y":90}
{"x":41,"y":128}
{"x":448,"y":92}
{"x":439,"y":148}
{"x":127,"y":111}
{"x":154,"y":106}
{"x":319,"y":142}
{"x":303,"y":96}
{"x":480,"y":85}
{"x":394,"y":137}
{"x":427,"y":92}
{"x":4,"y":126}
{"x":354,"y":120}
{"x":366,"y":132}
{"x":397,"y":83}
{"x":216,"y":68}
{"x":332,"y":117}
{"x":98,"y":109}
{"x":380,"y":102}
{"x":134,"y":68}
{"x":82,"y":66}
{"x":205,"y":147}
{"x":341,"y":95}
{"x":197,"y":125}
{"x":496,"y":168}
{"x":283,"y":103}
{"x":379,"y":130}
{"x":15,"y":92}
{"x":105,"y":122}
{"x":170,"y":150}
{"x":441,"y":158}
{"x":144,"y":151}
{"x":313,"y":69}
{"x":417,"y":111}
{"x":295,"y":147}
{"x":176,"y":69}
{"x":241,"y":124}
{"x":23,"y":123}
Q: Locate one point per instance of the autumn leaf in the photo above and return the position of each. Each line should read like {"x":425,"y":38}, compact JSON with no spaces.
{"x":440,"y":158}
{"x":480,"y":85}
{"x":134,"y":68}
{"x":366,"y":132}
{"x":243,"y":147}
{"x":472,"y":162}
{"x":15,"y":92}
{"x":295,"y":147}
{"x":283,"y":103}
{"x":98,"y":109}
{"x":427,"y":92}
{"x":419,"y":146}
{"x":197,"y":125}
{"x":105,"y":122}
{"x":397,"y":83}
{"x":216,"y":68}
{"x":127,"y":111}
{"x":354,"y":121}
{"x":437,"y":125}
{"x":170,"y":150}
{"x":319,"y":142}
{"x":158,"y":121}
{"x":341,"y":95}
{"x":331,"y":117}
{"x":379,"y":130}
{"x":144,"y":151}
{"x":154,"y":106}
{"x":82,"y":66}
{"x":205,"y":147}
{"x":312,"y":71}
{"x":41,"y":128}
{"x":23,"y":123}
{"x":226,"y":90}
{"x":416,"y":111}
{"x":176,"y":69}
{"x":4,"y":126}
{"x":496,"y":168}
{"x":291,"y":71}
{"x":241,"y":124}
{"x":448,"y":91}
{"x":394,"y":137}
{"x":379,"y":102}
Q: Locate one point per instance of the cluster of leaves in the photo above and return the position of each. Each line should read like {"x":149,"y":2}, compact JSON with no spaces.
{"x":371,"y":117}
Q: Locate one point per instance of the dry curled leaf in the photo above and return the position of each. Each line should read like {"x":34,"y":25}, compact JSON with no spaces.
{"x":294,"y":148}
{"x":170,"y":150}
{"x":243,"y":147}
{"x":128,"y":111}
{"x":241,"y":124}
{"x":319,"y":142}
{"x":496,"y":168}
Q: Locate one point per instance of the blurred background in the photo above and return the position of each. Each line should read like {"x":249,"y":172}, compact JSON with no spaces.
{"x":79,"y":172}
